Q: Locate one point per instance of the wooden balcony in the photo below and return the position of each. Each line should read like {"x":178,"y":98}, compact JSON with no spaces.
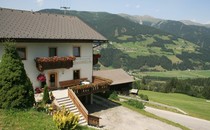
{"x":47,"y":63}
{"x":98,"y":85}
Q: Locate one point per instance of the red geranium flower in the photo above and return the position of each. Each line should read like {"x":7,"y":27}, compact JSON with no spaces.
{"x":41,"y":78}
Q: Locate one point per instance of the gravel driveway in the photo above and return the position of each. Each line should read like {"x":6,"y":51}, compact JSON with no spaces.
{"x":188,"y":121}
{"x":121,"y":118}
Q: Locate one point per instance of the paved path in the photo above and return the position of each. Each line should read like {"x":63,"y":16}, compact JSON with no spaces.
{"x":121,"y":118}
{"x":188,"y":121}
{"x":155,"y":103}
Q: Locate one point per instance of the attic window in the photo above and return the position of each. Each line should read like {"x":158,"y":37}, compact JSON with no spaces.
{"x":21,"y":52}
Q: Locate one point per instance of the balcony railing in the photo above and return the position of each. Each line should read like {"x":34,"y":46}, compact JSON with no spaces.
{"x":46,"y":63}
{"x":98,"y":85}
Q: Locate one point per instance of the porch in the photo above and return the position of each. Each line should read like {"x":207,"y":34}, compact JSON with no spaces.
{"x":81,"y":87}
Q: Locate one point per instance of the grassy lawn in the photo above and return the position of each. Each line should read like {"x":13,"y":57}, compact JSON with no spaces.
{"x":28,"y":120}
{"x":196,"y":107}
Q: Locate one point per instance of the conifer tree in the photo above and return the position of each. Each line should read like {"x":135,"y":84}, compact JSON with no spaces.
{"x":46,"y":97}
{"x":16,"y":90}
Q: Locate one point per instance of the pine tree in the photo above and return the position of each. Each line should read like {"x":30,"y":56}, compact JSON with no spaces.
{"x":16,"y":90}
{"x":46,"y":97}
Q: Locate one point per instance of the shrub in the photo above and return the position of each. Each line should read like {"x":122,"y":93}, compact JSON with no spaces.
{"x":135,"y":103}
{"x":46,"y":97}
{"x":16,"y":89}
{"x":114,"y":96}
{"x":65,"y":120}
{"x":144,"y":97}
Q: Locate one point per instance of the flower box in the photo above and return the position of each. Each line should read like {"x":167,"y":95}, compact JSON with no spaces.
{"x":47,"y":63}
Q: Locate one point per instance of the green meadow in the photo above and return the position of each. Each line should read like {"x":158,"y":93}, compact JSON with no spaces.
{"x":196,"y":107}
{"x":177,"y":73}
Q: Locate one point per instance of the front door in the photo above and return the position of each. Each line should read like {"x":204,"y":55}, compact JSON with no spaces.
{"x":53,"y":79}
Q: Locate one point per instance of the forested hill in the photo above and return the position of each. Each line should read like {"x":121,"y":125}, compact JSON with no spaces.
{"x":194,"y":32}
{"x":142,"y":47}
{"x":112,"y":26}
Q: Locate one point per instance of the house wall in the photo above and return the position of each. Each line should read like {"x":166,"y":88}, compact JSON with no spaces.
{"x":83,"y":63}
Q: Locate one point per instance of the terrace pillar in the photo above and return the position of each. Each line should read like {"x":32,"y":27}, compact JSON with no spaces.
{"x":91,"y":98}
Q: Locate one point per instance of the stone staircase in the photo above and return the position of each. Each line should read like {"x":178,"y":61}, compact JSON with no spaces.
{"x":68,"y":104}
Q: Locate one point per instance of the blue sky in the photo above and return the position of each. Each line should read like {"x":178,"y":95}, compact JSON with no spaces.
{"x":194,"y":10}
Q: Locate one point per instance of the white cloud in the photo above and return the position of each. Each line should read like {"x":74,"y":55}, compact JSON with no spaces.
{"x":40,"y":2}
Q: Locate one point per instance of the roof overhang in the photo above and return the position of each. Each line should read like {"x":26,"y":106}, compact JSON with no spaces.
{"x":55,"y":40}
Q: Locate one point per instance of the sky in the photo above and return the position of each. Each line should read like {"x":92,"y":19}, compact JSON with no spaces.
{"x":194,"y":10}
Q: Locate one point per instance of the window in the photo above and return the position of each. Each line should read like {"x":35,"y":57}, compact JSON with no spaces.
{"x":21,"y":52}
{"x":76,"y":74}
{"x":76,"y":51}
{"x":52,"y":51}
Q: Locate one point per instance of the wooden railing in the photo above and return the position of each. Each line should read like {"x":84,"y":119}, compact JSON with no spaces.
{"x":90,"y":90}
{"x":78,"y":104}
{"x":70,"y":83}
{"x":92,"y":120}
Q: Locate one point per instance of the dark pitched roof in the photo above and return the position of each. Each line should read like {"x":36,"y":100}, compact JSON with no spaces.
{"x":17,"y":24}
{"x":118,"y":76}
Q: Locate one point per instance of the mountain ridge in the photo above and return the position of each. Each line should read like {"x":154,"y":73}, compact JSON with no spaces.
{"x":148,"y":46}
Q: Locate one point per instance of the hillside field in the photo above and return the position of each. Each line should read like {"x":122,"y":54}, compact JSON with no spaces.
{"x":196,"y":107}
{"x":179,"y":74}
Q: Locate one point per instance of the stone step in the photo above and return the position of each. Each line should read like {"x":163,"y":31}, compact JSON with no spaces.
{"x":66,"y":104}
{"x":63,"y":98}
{"x":64,"y":101}
{"x":82,"y":122}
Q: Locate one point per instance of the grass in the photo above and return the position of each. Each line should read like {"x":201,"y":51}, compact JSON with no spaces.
{"x":25,"y":120}
{"x":28,"y":120}
{"x":178,"y":74}
{"x":196,"y":107}
{"x":143,"y":112}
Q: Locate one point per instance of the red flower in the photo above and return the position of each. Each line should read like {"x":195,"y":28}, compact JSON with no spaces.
{"x":41,"y":78}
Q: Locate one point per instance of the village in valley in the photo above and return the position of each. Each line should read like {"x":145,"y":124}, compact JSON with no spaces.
{"x":62,"y":69}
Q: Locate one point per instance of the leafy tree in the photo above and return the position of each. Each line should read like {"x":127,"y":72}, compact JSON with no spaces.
{"x":136,"y":84}
{"x":16,"y":90}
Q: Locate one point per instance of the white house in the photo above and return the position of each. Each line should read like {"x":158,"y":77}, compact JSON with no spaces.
{"x":41,"y":35}
{"x":60,"y":48}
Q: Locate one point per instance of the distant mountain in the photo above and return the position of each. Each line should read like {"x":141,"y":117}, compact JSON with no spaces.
{"x":112,"y":26}
{"x":147,"y":43}
{"x":188,"y":22}
{"x":145,"y":20}
{"x":188,"y":30}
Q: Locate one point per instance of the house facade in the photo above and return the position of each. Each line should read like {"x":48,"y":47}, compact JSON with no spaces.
{"x":47,"y":36}
{"x":58,"y":50}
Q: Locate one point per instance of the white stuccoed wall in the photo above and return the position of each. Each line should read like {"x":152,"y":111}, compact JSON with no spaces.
{"x":83,"y":63}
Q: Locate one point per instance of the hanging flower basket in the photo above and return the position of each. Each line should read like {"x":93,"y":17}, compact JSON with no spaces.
{"x":41,"y":78}
{"x":46,"y":63}
{"x":95,"y":58}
